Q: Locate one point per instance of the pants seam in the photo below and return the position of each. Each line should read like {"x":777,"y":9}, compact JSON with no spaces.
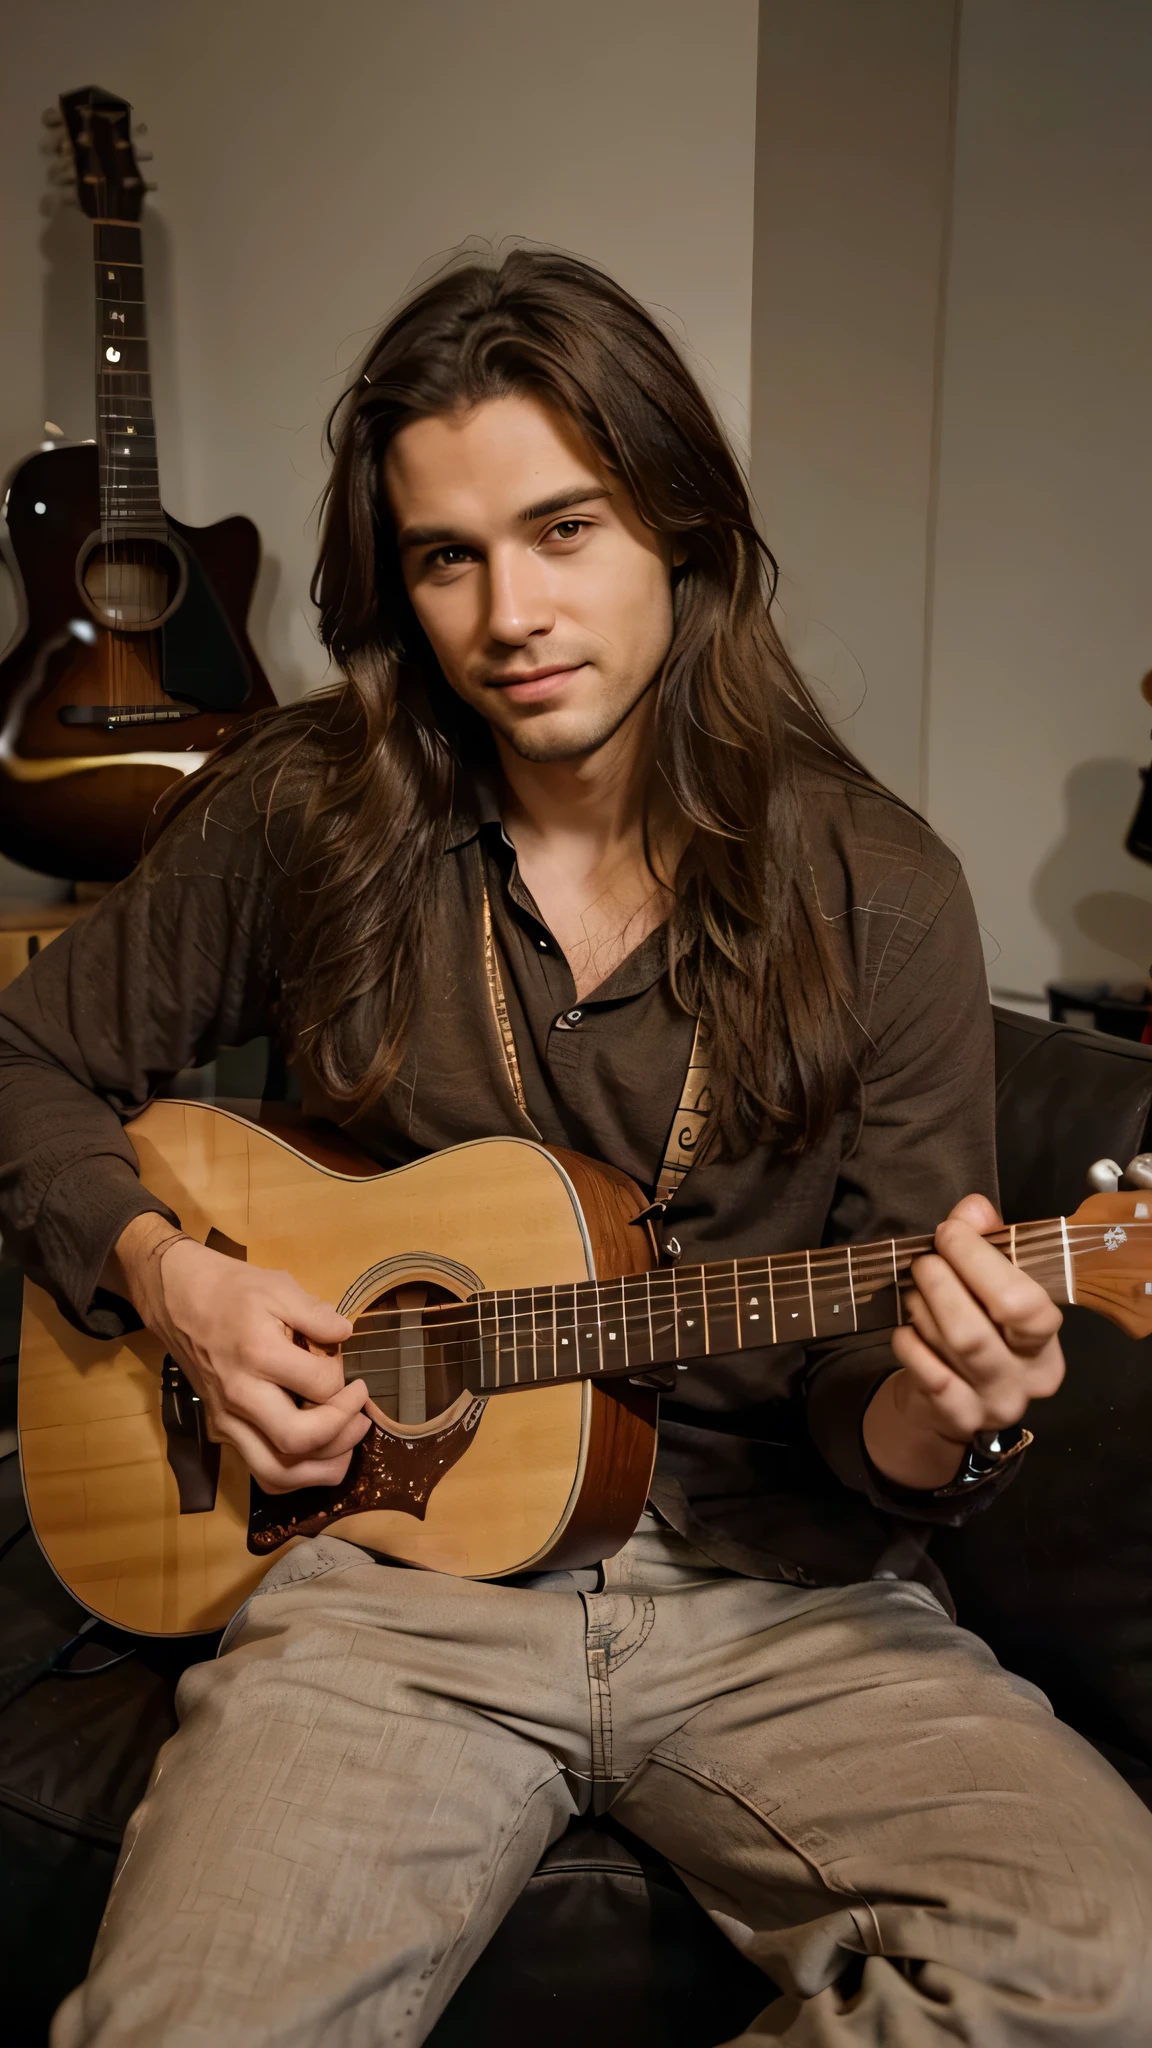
{"x":482,"y":1894}
{"x":714,"y":1782}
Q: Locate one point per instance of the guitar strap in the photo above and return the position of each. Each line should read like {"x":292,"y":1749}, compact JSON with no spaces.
{"x":692,"y":1109}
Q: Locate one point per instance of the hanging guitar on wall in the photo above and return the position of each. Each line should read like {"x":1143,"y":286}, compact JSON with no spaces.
{"x":134,"y":661}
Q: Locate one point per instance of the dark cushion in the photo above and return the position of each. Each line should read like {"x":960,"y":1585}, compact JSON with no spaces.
{"x":604,"y":1946}
{"x":1057,"y":1578}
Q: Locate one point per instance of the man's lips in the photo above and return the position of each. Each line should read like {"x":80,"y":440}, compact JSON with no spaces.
{"x":535,"y":683}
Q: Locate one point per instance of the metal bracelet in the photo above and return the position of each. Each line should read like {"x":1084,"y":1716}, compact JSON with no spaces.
{"x":987,"y":1452}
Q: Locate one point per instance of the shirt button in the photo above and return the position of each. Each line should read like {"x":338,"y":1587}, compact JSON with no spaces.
{"x":573,"y":1016}
{"x":543,"y":945}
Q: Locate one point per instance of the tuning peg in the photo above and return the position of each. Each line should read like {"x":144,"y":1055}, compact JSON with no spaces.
{"x":150,"y":188}
{"x":1138,"y":1172}
{"x":145,"y":156}
{"x":1104,"y":1177}
{"x":52,"y":117}
{"x":141,"y":128}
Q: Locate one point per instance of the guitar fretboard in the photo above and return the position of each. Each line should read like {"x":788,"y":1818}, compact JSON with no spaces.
{"x":527,"y":1335}
{"x":126,"y":432}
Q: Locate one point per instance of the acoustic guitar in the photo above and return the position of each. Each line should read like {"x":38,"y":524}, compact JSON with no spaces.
{"x":134,"y":659}
{"x":509,"y":1322}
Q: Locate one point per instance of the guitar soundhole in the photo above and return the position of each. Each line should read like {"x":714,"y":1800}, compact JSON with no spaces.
{"x":133,"y":585}
{"x":409,"y":1378}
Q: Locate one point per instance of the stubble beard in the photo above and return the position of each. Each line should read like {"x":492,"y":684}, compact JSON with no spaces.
{"x":570,"y":739}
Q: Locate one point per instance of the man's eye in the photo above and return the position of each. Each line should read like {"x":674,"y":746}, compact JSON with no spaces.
{"x":567,"y":529}
{"x":448,"y":558}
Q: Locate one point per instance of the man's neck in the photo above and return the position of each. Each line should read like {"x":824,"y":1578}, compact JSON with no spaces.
{"x":595,"y":804}
{"x":594,"y":844}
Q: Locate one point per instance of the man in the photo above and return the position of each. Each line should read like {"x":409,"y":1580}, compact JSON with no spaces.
{"x":570,"y":801}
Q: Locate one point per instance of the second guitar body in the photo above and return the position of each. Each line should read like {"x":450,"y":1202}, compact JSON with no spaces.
{"x":84,"y":756}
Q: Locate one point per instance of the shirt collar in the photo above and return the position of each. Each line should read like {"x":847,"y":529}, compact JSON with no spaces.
{"x":475,"y":806}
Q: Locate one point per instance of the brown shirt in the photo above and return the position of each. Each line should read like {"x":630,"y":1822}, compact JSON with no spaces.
{"x":761,"y":1459}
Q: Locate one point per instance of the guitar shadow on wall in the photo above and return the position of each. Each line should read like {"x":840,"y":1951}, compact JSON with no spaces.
{"x":69,"y":325}
{"x":1092,"y":895}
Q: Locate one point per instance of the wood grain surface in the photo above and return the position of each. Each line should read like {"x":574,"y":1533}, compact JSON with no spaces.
{"x":553,"y":1472}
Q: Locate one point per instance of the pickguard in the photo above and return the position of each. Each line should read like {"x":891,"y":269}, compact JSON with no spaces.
{"x":388,"y":1470}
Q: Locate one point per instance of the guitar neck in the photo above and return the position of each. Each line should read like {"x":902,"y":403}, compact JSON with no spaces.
{"x":671,"y":1315}
{"x":125,"y":428}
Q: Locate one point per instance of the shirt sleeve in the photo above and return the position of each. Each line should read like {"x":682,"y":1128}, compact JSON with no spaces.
{"x":175,"y":962}
{"x":926,"y":1136}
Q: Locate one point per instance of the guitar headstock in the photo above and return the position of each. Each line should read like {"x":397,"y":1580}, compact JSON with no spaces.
{"x":99,"y":128}
{"x":1110,"y":1251}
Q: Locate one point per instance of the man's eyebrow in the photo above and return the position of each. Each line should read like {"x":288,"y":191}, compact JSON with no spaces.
{"x":560,"y":501}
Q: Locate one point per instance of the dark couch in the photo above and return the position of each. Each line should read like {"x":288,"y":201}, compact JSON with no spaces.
{"x":605,"y":1943}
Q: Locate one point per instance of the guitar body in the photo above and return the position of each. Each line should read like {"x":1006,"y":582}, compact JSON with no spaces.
{"x":75,"y":797}
{"x":151,"y":1528}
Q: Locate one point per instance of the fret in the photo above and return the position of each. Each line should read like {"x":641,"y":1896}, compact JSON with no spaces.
{"x":835,"y":1299}
{"x":510,"y":1336}
{"x":637,"y":1320}
{"x":721,"y":1307}
{"x":791,"y":1304}
{"x":691,"y":1311}
{"x":120,"y":319}
{"x":660,"y":1289}
{"x":489,"y":1355}
{"x":126,"y":434}
{"x":120,"y":284}
{"x":754,"y":1302}
{"x":118,"y":356}
{"x":589,"y":1355}
{"x":564,"y":1320}
{"x":517,"y":1343}
{"x":1069,"y":1283}
{"x":896,"y":1286}
{"x":876,"y":1292}
{"x":613,"y":1325}
{"x":541,"y":1309}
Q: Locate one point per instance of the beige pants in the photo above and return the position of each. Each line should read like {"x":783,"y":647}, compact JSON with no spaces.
{"x":365,"y":1779}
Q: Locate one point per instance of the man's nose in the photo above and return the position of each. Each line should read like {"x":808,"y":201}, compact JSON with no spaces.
{"x":519,"y":602}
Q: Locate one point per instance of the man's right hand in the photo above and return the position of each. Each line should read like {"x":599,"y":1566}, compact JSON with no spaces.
{"x":231,"y":1327}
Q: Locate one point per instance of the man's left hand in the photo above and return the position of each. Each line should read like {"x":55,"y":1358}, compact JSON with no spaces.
{"x":981,"y":1341}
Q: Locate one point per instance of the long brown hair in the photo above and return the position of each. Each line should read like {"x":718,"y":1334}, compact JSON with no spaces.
{"x":748,"y":947}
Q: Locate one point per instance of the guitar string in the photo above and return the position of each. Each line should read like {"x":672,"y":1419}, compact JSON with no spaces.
{"x":515,"y":1330}
{"x":467,"y":1329}
{"x":772,"y":1267}
{"x":122,"y":548}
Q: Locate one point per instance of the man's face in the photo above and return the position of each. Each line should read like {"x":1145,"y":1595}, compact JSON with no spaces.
{"x":546,"y":599}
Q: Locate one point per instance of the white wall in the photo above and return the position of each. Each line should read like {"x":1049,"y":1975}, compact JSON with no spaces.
{"x":1043,"y":589}
{"x":952,"y":431}
{"x":852,"y":168}
{"x":311,"y":159}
